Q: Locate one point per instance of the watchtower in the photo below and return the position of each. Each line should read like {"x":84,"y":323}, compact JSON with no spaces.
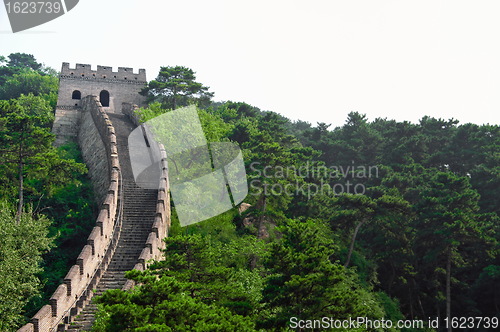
{"x":112,"y":88}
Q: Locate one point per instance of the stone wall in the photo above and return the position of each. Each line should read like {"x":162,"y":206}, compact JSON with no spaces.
{"x":129,"y":110}
{"x":77,"y":287}
{"x":66,"y":124}
{"x":154,"y":246}
{"x":123,"y":85}
{"x":77,"y":83}
{"x":93,"y":148}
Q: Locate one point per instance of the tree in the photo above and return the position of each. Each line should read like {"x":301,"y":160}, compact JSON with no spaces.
{"x":26,"y":146}
{"x":356,"y":142}
{"x":23,"y":60}
{"x":447,"y":211}
{"x":21,"y":249}
{"x":347,"y":214}
{"x":38,"y":108}
{"x":29,"y":81}
{"x":273,"y":156}
{"x":176,"y":86}
{"x":18,"y":62}
{"x":200,"y":286}
{"x":193,"y":259}
{"x":163,"y":305}
{"x":305,"y":282}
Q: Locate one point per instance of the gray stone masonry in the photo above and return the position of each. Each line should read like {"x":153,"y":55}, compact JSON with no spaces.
{"x":111,"y":88}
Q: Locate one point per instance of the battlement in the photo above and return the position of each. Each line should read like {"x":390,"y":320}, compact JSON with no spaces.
{"x":85,"y":72}
{"x":111,"y":87}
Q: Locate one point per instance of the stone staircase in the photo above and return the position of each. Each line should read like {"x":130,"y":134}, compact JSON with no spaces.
{"x":139,"y":210}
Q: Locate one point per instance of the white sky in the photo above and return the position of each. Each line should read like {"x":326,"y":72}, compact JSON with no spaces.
{"x":313,"y":60}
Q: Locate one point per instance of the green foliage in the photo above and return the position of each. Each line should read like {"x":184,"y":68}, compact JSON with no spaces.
{"x":153,"y":110}
{"x":17,"y":62}
{"x":193,"y":289}
{"x":214,"y":127}
{"x":29,"y":81}
{"x":49,"y":179}
{"x":30,"y":162}
{"x":381,"y":254}
{"x":21,"y":252}
{"x":23,"y":60}
{"x":486,"y":289}
{"x":390,"y":306}
{"x":164,"y":304}
{"x":22,"y":75}
{"x":213,"y":268}
{"x":305,"y":282}
{"x":175,"y":87}
{"x":37,"y":107}
{"x":73,"y":210}
{"x":423,"y":239}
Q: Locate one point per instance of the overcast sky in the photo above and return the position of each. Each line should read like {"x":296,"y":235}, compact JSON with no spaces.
{"x":313,"y":60}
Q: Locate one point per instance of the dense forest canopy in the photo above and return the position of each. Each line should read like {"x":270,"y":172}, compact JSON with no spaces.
{"x":378,"y":219}
{"x":46,"y":200}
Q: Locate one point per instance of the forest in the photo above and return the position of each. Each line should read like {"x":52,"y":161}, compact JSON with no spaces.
{"x":379,"y":219}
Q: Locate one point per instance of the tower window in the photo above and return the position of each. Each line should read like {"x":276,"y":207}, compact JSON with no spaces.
{"x":104,"y":98}
{"x":76,"y":95}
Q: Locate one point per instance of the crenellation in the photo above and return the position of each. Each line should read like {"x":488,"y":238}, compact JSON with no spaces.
{"x":84,"y":71}
{"x":104,"y":69}
{"x":125,"y":69}
{"x":43,"y":319}
{"x":27,"y":328}
{"x":111,"y":88}
{"x":94,"y":240}
{"x":80,"y":66}
{"x":59,"y":301}
{"x":71,"y":278}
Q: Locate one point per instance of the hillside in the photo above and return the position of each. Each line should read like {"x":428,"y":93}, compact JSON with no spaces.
{"x":379,"y":219}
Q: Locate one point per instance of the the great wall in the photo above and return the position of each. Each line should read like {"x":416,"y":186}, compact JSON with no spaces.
{"x":96,"y":109}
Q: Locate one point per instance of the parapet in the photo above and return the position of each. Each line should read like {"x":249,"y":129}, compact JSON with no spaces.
{"x":85,"y":72}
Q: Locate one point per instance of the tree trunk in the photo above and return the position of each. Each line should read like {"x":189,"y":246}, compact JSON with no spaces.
{"x":261,"y":205}
{"x":21,"y":194}
{"x":391,"y":279}
{"x":175,"y":98}
{"x":417,"y":297}
{"x":351,"y":248}
{"x":262,"y":216}
{"x":448,"y":288}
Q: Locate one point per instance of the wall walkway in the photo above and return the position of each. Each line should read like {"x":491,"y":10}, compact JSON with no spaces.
{"x":129,"y":228}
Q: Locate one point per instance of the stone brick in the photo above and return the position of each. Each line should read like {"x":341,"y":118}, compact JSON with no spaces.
{"x":43,"y":319}
{"x":95,"y":241}
{"x":71,"y":279}
{"x":60,"y":301}
{"x":122,"y":86}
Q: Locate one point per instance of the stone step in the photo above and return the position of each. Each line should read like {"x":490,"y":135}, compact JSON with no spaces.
{"x":139,"y":210}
